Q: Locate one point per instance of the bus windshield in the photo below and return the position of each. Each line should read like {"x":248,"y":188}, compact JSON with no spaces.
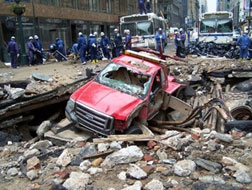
{"x":207,"y":26}
{"x":144,"y":28}
{"x":224,"y":26}
{"x":140,"y":28}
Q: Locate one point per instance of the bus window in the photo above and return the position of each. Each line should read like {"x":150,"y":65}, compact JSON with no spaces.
{"x":144,"y":28}
{"x":129,"y":26}
{"x":207,"y":26}
{"x":224,"y":26}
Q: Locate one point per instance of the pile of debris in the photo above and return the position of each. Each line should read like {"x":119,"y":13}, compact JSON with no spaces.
{"x":199,"y":160}
{"x":211,"y":49}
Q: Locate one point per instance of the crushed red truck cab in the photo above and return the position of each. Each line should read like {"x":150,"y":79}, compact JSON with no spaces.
{"x":130,"y":90}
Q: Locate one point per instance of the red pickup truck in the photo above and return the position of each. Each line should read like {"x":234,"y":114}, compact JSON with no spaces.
{"x":132,"y":89}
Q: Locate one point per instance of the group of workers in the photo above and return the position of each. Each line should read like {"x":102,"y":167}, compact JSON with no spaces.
{"x":83,"y":47}
{"x":34,"y":47}
{"x":144,"y":7}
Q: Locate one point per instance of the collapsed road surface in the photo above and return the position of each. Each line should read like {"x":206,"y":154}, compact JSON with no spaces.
{"x":210,"y":149}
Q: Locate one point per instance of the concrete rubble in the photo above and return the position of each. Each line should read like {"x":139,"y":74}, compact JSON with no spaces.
{"x":204,"y":155}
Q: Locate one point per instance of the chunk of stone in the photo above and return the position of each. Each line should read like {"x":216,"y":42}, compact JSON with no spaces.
{"x":136,"y":186}
{"x":43,"y":128}
{"x":93,"y":170}
{"x":12,"y":172}
{"x":41,"y":145}
{"x":224,"y":137}
{"x":208,"y":165}
{"x":124,"y":156}
{"x":32,"y":174}
{"x":88,"y":151}
{"x":65,"y":158}
{"x":97,"y":162}
{"x":229,"y":161}
{"x":77,"y":181}
{"x":122,"y":176}
{"x":177,"y":142}
{"x":136,"y":172}
{"x":212,"y":179}
{"x":115,"y":146}
{"x":102,"y":147}
{"x":31,"y":152}
{"x":242,"y":177}
{"x":184,"y":167}
{"x":33,"y":163}
{"x":161,"y":155}
{"x":41,"y":77}
{"x":154,"y":185}
{"x":85,"y":165}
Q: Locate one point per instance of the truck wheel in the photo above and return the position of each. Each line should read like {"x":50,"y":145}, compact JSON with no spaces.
{"x":133,"y":129}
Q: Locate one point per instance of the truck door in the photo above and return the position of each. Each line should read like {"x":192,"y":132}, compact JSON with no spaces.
{"x":156,"y":95}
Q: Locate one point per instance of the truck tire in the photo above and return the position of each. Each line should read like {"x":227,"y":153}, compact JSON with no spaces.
{"x":133,"y":129}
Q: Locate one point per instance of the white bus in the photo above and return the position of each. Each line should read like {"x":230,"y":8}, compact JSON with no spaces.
{"x":216,"y":27}
{"x":143,"y":28}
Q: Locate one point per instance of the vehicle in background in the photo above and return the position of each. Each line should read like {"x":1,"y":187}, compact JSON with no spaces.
{"x":236,"y":35}
{"x":128,"y":92}
{"x":172,"y":31}
{"x":216,"y":27}
{"x":143,"y":28}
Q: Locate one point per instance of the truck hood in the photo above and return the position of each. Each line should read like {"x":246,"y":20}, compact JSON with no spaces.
{"x":107,"y":100}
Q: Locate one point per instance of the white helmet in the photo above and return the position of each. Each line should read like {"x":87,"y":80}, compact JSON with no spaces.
{"x":80,"y":33}
{"x":102,"y":34}
{"x":30,"y":38}
{"x":95,"y":33}
{"x":35,"y":37}
{"x":128,"y":31}
{"x":90,"y":34}
{"x":12,"y":37}
{"x":116,"y":30}
{"x":181,"y":29}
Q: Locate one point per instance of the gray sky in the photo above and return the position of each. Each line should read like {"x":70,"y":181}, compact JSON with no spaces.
{"x":211,"y":4}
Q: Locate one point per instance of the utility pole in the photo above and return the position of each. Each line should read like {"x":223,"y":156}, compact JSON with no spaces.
{"x":19,"y":10}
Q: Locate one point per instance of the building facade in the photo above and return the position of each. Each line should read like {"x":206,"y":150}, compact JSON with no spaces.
{"x":193,"y":8}
{"x":50,"y":19}
{"x":203,"y":6}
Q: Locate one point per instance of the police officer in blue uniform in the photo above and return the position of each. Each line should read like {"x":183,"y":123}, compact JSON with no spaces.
{"x":31,"y":51}
{"x":82,"y":47}
{"x":127,"y":40}
{"x":92,"y":44}
{"x":141,"y":6}
{"x":244,"y":42}
{"x":148,"y":6}
{"x":160,"y":40}
{"x":39,"y":50}
{"x":105,"y":45}
{"x":12,"y":49}
{"x":61,"y":48}
{"x":117,"y":42}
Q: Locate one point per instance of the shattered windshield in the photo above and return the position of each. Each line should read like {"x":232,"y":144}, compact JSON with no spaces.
{"x":144,"y":28}
{"x":207,"y":26}
{"x":125,"y":80}
{"x":224,"y":26}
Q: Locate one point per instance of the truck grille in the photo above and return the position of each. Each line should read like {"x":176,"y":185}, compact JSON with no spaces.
{"x":94,"y":121}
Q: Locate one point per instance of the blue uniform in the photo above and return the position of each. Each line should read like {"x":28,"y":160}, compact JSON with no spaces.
{"x":31,"y":51}
{"x":61,"y":48}
{"x":38,"y":46}
{"x":141,"y":6}
{"x":160,"y":41}
{"x":12,"y":49}
{"x":75,"y":49}
{"x":128,"y":41}
{"x":104,"y":45}
{"x":118,"y":44}
{"x":82,"y":47}
{"x":148,"y":6}
{"x":244,"y":42}
{"x":92,"y":44}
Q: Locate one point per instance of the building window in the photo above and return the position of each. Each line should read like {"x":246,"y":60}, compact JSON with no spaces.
{"x":108,"y":6}
{"x":83,"y":4}
{"x":93,"y":5}
{"x":67,"y":3}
